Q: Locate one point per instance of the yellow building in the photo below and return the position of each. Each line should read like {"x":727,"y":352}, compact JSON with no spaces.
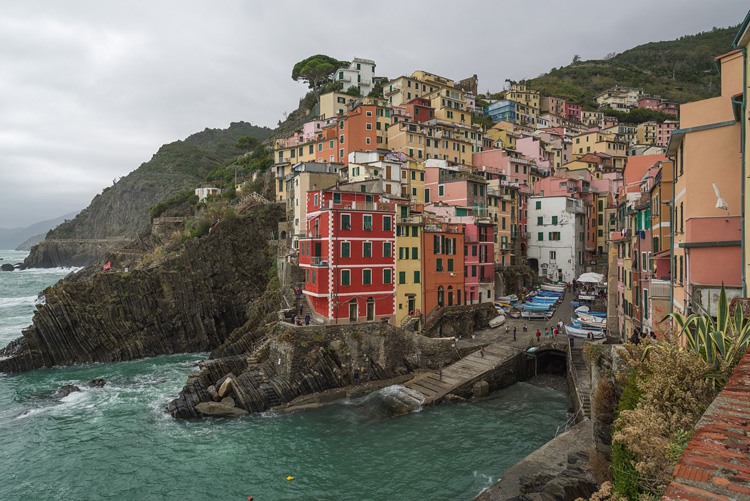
{"x":412,"y":181}
{"x":742,"y":41}
{"x":500,"y":204}
{"x":646,"y":133}
{"x":335,"y":103}
{"x":592,"y":118}
{"x":522,"y":94}
{"x":409,"y":270}
{"x":599,"y":142}
{"x":422,"y":141}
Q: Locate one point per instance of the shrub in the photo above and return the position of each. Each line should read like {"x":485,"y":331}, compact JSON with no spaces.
{"x":287,"y":336}
{"x":592,"y":353}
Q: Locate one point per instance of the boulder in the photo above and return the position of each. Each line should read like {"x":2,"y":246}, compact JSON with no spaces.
{"x":481,"y":389}
{"x":66,"y":390}
{"x":215,"y":409}
{"x":211,"y":390}
{"x":97,"y":383}
{"x":228,"y":401}
{"x":225,"y":387}
{"x":7,"y":267}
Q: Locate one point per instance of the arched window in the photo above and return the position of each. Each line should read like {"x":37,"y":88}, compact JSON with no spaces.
{"x":283,"y":235}
{"x":370,"y":309}
{"x":440,"y":296}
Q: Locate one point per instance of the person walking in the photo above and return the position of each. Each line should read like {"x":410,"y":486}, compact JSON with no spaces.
{"x":514,"y":333}
{"x":440,"y":372}
{"x":554,"y":333}
{"x":307,"y":319}
{"x":538,"y":335}
{"x":546,"y":333}
{"x":481,"y":351}
{"x":525,"y":327}
{"x":507,"y":329}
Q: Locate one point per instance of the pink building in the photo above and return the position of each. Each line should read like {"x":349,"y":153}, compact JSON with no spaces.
{"x":532,"y":148}
{"x":714,"y":264}
{"x":650,"y":103}
{"x":455,"y":185}
{"x":669,"y":108}
{"x":664,"y":131}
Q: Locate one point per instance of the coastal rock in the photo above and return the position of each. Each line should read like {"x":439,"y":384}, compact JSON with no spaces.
{"x":225,"y":387}
{"x":7,"y":267}
{"x":211,"y":390}
{"x":66,"y":390}
{"x":188,"y":302}
{"x":229,"y":401}
{"x":218,"y":410}
{"x":97,"y":383}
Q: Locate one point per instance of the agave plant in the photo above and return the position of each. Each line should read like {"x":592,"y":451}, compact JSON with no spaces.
{"x":720,"y":343}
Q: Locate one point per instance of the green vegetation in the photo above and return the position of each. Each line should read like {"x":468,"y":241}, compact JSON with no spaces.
{"x":316,"y":71}
{"x":680,"y":70}
{"x":185,"y":198}
{"x":638,"y":115}
{"x":721,"y":343}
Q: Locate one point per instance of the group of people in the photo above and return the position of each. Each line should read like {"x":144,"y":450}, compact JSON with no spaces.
{"x":554,"y":331}
{"x":297,"y":320}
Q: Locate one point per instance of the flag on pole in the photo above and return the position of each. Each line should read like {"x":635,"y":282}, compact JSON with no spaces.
{"x":107,"y":265}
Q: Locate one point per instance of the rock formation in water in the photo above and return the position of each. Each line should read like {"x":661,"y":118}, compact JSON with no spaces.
{"x":189,"y":301}
{"x":261,"y":371}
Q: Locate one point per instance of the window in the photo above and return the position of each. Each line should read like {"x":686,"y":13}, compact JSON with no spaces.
{"x":315,"y":199}
{"x":368,"y":126}
{"x":401,"y":277}
{"x":439,"y":264}
{"x":346,"y":221}
{"x":346,"y":249}
{"x":313,"y":275}
{"x":473,"y":250}
{"x":554,"y":219}
{"x":337,"y":198}
{"x":450,"y":264}
{"x":474,"y":270}
{"x":387,"y":223}
{"x":416,"y":277}
{"x":414,"y":231}
{"x":540,"y":220}
{"x":538,"y":204}
{"x":387,"y":275}
{"x":387,"y":248}
{"x":540,"y":236}
{"x":367,"y":222}
{"x":552,"y":255}
{"x":366,"y":249}
{"x":441,"y":190}
{"x":415,"y":252}
{"x":366,"y":277}
{"x":554,"y":235}
{"x":345,"y":277}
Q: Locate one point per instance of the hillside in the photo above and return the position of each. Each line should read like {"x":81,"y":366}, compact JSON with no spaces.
{"x":679,"y":70}
{"x":122,"y":210}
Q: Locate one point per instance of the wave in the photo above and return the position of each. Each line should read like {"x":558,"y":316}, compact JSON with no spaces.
{"x":9,"y":302}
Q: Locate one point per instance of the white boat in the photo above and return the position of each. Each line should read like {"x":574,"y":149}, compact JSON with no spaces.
{"x":507,"y":299}
{"x":497,"y":321}
{"x":588,"y":317}
{"x":537,"y":315}
{"x":556,"y":288}
{"x":584,"y":333}
{"x":583,"y":324}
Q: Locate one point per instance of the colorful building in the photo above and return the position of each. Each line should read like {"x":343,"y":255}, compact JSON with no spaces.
{"x":348,"y":254}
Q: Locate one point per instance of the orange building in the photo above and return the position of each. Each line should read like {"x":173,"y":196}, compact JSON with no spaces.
{"x":443,"y":264}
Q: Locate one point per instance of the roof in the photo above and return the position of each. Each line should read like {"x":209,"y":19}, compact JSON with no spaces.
{"x":637,"y":166}
{"x":743,"y":32}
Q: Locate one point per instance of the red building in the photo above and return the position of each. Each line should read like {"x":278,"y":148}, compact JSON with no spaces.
{"x":420,"y":109}
{"x":572,"y":111}
{"x":348,"y":254}
{"x":669,"y":108}
{"x":650,"y":103}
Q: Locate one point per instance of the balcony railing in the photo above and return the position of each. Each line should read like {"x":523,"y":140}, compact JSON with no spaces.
{"x":319,"y":261}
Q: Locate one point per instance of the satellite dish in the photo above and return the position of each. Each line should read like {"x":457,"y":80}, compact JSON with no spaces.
{"x":720,"y":202}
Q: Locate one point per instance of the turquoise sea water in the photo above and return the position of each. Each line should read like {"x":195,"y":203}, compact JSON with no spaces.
{"x":117,"y":442}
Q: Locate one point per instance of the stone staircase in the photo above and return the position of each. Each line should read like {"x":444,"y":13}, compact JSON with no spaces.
{"x":584,"y":381}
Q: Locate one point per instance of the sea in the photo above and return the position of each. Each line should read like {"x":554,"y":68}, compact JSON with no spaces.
{"x":117,"y":442}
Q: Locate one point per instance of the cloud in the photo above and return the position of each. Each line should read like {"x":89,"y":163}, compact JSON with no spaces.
{"x":90,"y":90}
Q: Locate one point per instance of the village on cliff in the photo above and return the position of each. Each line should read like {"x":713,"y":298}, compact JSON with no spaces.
{"x":402,"y":206}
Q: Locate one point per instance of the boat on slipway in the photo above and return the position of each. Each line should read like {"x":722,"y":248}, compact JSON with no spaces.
{"x":585,"y":333}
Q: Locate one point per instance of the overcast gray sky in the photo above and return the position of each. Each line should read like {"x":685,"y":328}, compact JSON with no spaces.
{"x":90,"y":90}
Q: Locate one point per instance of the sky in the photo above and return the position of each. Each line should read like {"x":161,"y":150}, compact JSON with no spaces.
{"x":90,"y":90}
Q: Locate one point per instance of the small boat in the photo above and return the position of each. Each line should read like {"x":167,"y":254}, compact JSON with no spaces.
{"x":535,"y":307}
{"x":556,"y":288}
{"x":600,"y":314}
{"x":497,"y":321}
{"x":584,"y":333}
{"x":588,"y":317}
{"x":582,"y":324}
{"x":506,"y":299}
{"x":582,"y":308}
{"x":536,"y":315}
{"x":515,"y":313}
{"x":541,"y":299}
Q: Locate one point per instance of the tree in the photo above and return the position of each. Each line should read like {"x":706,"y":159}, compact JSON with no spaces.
{"x":576,"y":59}
{"x":316,"y":71}
{"x":246,"y":143}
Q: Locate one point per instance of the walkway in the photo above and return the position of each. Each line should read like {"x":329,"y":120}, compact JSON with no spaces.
{"x":467,"y":370}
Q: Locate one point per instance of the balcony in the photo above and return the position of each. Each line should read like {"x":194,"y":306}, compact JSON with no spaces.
{"x":312,"y":233}
{"x":319,"y":261}
{"x":410,"y":220}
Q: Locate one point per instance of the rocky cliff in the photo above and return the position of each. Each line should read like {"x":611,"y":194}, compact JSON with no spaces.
{"x":121,"y":211}
{"x":189,"y":300}
{"x":269,"y":366}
